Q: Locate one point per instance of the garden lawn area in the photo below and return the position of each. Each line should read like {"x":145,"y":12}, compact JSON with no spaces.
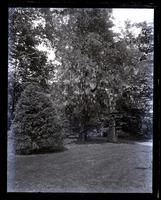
{"x":102,"y":167}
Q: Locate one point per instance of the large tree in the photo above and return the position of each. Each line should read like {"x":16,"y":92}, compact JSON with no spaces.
{"x":26,"y":63}
{"x":92,"y":62}
{"x":137,"y":96}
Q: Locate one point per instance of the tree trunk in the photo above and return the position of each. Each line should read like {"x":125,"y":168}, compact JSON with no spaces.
{"x":84,"y":123}
{"x":111,"y":136}
{"x":80,"y":136}
{"x":85,"y":136}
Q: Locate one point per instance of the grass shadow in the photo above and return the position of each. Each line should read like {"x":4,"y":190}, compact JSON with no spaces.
{"x":43,"y":151}
{"x":102,"y":140}
{"x":98,"y":140}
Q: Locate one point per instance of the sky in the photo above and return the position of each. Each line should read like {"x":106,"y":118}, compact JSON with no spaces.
{"x":133,"y":14}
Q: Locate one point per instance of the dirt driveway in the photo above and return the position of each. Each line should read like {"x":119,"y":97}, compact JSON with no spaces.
{"x":105,"y":167}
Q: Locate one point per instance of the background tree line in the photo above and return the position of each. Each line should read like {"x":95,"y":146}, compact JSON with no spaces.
{"x":99,"y":77}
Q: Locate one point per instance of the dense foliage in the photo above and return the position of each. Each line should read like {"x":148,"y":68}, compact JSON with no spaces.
{"x":136,"y":99}
{"x":95,"y":66}
{"x":36,"y":125}
{"x":98,"y":79}
{"x":26,"y":63}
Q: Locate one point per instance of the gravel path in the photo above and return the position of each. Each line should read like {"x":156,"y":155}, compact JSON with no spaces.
{"x":105,"y":167}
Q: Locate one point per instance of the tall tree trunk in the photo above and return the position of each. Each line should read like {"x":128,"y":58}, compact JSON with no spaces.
{"x":111,"y":137}
{"x":85,"y":121}
{"x":85,"y":135}
{"x":80,"y":136}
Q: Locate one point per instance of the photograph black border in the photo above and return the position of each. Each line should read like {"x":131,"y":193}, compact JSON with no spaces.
{"x":3,"y":100}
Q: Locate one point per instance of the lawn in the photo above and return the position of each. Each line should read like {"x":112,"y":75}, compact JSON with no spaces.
{"x":90,"y":167}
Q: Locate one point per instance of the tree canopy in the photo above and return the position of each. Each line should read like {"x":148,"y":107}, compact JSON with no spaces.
{"x":97,"y":74}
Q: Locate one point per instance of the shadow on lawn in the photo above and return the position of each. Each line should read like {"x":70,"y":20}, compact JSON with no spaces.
{"x":43,"y":151}
{"x":93,"y":140}
{"x":101,"y":140}
{"x":90,"y":140}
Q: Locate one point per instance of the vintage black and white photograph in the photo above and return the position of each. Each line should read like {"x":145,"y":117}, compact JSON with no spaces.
{"x":80,"y":100}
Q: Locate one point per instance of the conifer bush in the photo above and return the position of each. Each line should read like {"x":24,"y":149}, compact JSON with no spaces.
{"x":36,"y":126}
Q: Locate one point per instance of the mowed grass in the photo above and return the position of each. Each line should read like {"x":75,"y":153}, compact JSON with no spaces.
{"x":102,"y":167}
